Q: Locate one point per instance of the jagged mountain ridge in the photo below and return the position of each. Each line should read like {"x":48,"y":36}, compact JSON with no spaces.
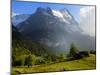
{"x":55,"y":31}
{"x":19,"y":18}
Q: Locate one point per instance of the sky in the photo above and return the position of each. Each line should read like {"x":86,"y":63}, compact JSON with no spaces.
{"x":30,"y":7}
{"x":84,"y":15}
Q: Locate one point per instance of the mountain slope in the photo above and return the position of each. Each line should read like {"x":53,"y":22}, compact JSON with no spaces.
{"x":19,"y":18}
{"x":55,"y":29}
{"x":23,"y":45}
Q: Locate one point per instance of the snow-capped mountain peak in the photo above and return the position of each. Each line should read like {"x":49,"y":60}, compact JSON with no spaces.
{"x":64,"y":13}
{"x":57,"y":13}
{"x":54,"y":28}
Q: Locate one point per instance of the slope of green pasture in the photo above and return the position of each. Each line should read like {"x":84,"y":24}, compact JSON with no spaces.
{"x":82,"y":64}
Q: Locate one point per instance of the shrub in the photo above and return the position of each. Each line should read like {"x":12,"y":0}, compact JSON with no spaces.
{"x":84,"y":53}
{"x":54,"y":58}
{"x":62,"y":69}
{"x":39,"y":61}
{"x":92,"y":52}
{"x":78,"y":56}
{"x":28,"y":60}
{"x":61,"y":57}
{"x":18,"y":61}
{"x":15,"y":73}
{"x":81,"y":54}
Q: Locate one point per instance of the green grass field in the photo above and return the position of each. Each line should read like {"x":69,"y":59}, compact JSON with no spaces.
{"x":86,"y":63}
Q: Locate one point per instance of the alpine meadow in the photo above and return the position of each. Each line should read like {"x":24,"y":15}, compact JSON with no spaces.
{"x":51,"y":37}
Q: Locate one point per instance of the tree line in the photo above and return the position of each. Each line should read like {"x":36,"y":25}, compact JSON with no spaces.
{"x":32,"y":59}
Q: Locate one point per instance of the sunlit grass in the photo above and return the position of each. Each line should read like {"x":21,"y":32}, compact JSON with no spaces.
{"x":86,"y":63}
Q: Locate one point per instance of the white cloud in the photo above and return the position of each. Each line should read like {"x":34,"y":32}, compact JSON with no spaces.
{"x":87,"y":22}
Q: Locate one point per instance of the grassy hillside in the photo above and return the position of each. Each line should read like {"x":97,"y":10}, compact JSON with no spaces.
{"x":82,"y":64}
{"x":29,"y":56}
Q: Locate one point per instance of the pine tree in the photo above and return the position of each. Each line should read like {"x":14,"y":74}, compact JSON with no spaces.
{"x":73,"y":50}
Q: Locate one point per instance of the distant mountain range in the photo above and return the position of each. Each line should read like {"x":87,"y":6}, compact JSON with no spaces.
{"x":56,"y":29}
{"x":19,"y":18}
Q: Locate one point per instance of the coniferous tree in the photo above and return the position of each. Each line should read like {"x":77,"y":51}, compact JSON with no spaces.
{"x":73,"y":50}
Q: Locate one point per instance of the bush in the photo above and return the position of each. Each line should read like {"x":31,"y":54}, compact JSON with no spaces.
{"x":15,"y":73}
{"x":92,"y":52}
{"x":18,"y":61}
{"x":23,"y":60}
{"x":81,"y":54}
{"x":84,"y":53}
{"x":78,"y":56}
{"x":39,"y":61}
{"x":61,"y":57}
{"x":28,"y":60}
{"x":62,"y":69}
{"x":47,"y":59}
{"x":54,"y":58}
